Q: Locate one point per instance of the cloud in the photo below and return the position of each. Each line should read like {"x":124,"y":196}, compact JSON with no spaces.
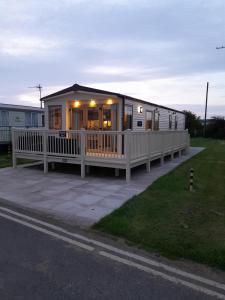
{"x":26,"y":45}
{"x":161,"y":50}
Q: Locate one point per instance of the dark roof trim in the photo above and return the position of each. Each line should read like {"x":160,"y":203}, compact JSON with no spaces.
{"x":9,"y":107}
{"x":77,"y":88}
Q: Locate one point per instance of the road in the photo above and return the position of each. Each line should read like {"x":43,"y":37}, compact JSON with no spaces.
{"x":35,"y":264}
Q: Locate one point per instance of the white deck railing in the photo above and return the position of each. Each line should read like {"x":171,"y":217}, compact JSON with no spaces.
{"x":122,"y":149}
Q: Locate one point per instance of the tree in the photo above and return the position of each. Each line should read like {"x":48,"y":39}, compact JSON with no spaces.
{"x":216,"y":128}
{"x":193,"y":123}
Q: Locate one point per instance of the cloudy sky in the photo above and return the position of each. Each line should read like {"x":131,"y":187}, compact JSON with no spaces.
{"x":163,"y":51}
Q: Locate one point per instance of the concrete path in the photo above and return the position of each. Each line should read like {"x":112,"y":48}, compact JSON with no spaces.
{"x":77,"y":201}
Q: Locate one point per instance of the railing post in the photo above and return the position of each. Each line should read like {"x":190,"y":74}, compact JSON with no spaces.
{"x":148,"y":164}
{"x":128,"y":153}
{"x":162,"y":152}
{"x":82,"y":152}
{"x":13,"y":148}
{"x":187,"y":146}
{"x":45,"y":151}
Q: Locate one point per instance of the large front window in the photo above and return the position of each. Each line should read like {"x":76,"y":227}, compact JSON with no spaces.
{"x":55,"y":117}
{"x":128,"y":117}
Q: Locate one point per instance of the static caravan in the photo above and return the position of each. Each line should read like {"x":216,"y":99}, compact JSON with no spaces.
{"x":92,"y":127}
{"x":18,"y":116}
{"x":80,"y":107}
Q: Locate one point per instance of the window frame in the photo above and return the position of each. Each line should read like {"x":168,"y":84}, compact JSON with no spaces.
{"x":132,"y":116}
{"x":175,"y":122}
{"x":170,"y":122}
{"x":152,"y":119}
{"x":6,"y":118}
{"x":158,"y":113}
{"x":52,"y":126}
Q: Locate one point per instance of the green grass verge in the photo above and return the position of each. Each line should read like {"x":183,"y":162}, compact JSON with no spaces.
{"x":168,"y":219}
{"x":6,"y":160}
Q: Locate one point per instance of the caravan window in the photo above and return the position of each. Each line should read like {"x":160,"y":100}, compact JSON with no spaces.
{"x":55,"y":117}
{"x":128,"y":117}
{"x":148,"y":122}
{"x":156,"y":120}
{"x":170,"y":121}
{"x":175,"y":124}
{"x":4,"y":118}
{"x":31,"y":119}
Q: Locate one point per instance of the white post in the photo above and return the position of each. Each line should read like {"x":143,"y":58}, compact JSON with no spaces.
{"x":163,"y":147}
{"x":13,"y":149}
{"x":127,"y":152}
{"x":179,"y":153}
{"x":187,"y":148}
{"x":45,"y":151}
{"x":82,"y":153}
{"x":148,"y":164}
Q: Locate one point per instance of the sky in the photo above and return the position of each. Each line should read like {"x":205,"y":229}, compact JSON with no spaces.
{"x":162,"y":51}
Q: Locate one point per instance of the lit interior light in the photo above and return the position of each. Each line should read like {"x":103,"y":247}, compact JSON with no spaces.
{"x":76,"y":104}
{"x":107,"y":123}
{"x":109,"y":102}
{"x":92,"y":103}
{"x":140,"y":109}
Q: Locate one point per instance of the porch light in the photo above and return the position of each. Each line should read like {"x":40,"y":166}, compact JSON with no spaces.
{"x":140,"y":109}
{"x":92,"y":103}
{"x":109,"y":102}
{"x":76,"y":104}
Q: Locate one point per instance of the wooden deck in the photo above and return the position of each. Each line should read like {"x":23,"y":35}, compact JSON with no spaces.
{"x":114,"y":149}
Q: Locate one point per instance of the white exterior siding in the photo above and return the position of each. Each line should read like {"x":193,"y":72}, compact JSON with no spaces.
{"x":164,"y":113}
{"x":163,"y":116}
{"x":16,"y":118}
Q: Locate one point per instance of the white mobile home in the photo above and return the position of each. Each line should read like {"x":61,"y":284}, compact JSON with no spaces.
{"x":80,"y":107}
{"x":18,"y":116}
{"x":92,"y":127}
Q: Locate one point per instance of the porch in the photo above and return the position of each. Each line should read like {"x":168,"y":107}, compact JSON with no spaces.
{"x":113,"y":149}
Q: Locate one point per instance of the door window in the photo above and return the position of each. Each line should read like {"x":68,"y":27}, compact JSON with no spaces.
{"x":148,"y":122}
{"x":156,"y":120}
{"x":128,"y":117}
{"x":93,"y":119}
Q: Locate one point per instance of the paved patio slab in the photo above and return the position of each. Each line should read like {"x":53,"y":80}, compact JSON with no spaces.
{"x":76,"y":201}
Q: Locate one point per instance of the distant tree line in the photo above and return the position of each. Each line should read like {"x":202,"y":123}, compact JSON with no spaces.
{"x":215,"y":127}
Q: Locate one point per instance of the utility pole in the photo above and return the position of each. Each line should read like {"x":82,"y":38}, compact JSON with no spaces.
{"x":39,"y":87}
{"x":206,"y":104}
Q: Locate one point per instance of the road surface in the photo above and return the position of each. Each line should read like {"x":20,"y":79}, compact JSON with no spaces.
{"x":37,"y":262}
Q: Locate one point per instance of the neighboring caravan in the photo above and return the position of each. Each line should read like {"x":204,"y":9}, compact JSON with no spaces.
{"x":91,"y":127}
{"x":18,"y":116}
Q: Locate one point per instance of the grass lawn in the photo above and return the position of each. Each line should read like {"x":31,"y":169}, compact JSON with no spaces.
{"x":168,"y":219}
{"x":6,"y":160}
